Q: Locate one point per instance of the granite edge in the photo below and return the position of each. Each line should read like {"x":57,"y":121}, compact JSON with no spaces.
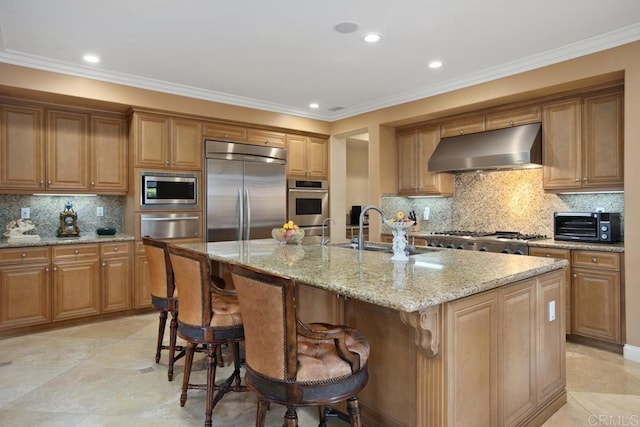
{"x":55,"y":241}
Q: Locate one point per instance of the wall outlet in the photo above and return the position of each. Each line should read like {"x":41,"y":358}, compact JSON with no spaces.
{"x":99,"y":211}
{"x":552,"y":311}
{"x":425,"y":215}
{"x":25,"y":213}
{"x":599,"y":209}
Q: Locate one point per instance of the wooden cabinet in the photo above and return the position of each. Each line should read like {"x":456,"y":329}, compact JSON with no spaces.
{"x":76,"y":281}
{"x":603,"y":141}
{"x":109,"y":155}
{"x":116,"y":280}
{"x":506,"y":352}
{"x":266,"y":137}
{"x":163,"y":142}
{"x":512,"y":116}
{"x":68,"y":152}
{"x":461,"y":125}
{"x":307,"y":157}
{"x":559,"y":254}
{"x":142,"y":280}
{"x":22,"y":148}
{"x":55,"y":150}
{"x":25,"y":294}
{"x":318,"y":305}
{"x":224,"y":132}
{"x":414,"y":150}
{"x":597,"y":295}
{"x":583,"y":142}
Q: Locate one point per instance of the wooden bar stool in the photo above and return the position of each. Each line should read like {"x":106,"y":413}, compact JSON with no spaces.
{"x":164,"y":298}
{"x":293,"y":364}
{"x":209,"y":316}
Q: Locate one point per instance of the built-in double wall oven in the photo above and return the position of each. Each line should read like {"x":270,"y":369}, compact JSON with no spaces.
{"x":308,"y":204}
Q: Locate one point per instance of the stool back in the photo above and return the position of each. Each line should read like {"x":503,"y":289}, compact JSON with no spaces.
{"x":160,"y":272}
{"x":191,"y":274}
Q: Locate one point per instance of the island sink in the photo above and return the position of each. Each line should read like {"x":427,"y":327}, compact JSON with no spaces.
{"x":383,"y":247}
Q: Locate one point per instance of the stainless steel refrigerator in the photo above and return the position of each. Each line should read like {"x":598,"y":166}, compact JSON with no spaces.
{"x":246,"y":190}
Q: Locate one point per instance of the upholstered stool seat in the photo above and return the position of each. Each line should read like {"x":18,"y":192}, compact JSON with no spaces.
{"x":210,"y":317}
{"x":293,"y":364}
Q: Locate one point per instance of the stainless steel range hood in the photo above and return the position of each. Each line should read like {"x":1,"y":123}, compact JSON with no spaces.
{"x":517,"y":147}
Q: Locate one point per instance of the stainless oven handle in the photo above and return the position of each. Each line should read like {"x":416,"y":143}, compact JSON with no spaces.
{"x":182,"y":218}
{"x":308,"y":190}
{"x":247,"y":224}
{"x":580,"y":214}
{"x":241,"y":216}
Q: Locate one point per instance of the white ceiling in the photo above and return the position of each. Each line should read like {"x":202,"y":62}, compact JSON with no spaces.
{"x":280,"y":55}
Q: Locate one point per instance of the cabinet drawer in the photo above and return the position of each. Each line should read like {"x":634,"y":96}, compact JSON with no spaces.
{"x":599,"y":260}
{"x":513,"y":117}
{"x":75,"y":251}
{"x":115,"y":249}
{"x":551,"y":253}
{"x":24,"y":255}
{"x":224,"y":132}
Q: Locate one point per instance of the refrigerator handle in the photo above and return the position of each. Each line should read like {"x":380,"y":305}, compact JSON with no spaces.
{"x":241,"y":215}
{"x":247,"y":223}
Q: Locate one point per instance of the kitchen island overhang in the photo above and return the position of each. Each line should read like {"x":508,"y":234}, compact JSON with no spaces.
{"x":426,"y":316}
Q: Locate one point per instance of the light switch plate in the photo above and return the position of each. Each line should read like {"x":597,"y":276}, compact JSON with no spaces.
{"x":25,"y":213}
{"x":99,"y":211}
{"x":552,"y":311}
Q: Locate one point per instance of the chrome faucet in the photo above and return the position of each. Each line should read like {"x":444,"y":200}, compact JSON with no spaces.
{"x":324,"y":242}
{"x":361,"y":222}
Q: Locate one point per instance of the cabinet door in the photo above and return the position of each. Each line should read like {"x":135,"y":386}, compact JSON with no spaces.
{"x":472,"y":348}
{"x":551,"y":353}
{"x":25,"y":296}
{"x":224,"y":132}
{"x":142,"y":283}
{"x":68,"y":155}
{"x":109,"y":154}
{"x":22,"y":149}
{"x":116,"y":284}
{"x":186,"y":144}
{"x":460,"y":125}
{"x":76,"y":289}
{"x":517,"y":351}
{"x":561,"y":147}
{"x":559,"y":254}
{"x":407,"y":173}
{"x":512,"y":116}
{"x":151,"y":140}
{"x":596,"y":304}
{"x":430,"y":182}
{"x":297,"y":155}
{"x":317,"y":158}
{"x":318,"y":305}
{"x":603,"y":141}
{"x":266,"y":137}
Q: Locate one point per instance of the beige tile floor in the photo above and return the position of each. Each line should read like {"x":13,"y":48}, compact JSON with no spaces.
{"x":103,"y":374}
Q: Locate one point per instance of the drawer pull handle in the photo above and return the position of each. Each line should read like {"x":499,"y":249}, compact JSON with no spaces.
{"x":115,"y":249}
{"x":594,"y":260}
{"x":104,"y":264}
{"x":548,"y":255}
{"x":23,"y":255}
{"x":76,"y":251}
{"x":574,"y":275}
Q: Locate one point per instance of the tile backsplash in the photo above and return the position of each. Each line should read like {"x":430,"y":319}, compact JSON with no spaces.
{"x":45,"y":212}
{"x":502,"y":200}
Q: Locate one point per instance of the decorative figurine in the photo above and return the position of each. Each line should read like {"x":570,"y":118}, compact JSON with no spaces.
{"x":68,"y":222}
{"x":16,"y":231}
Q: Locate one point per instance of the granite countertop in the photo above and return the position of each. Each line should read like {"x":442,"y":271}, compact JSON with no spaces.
{"x":428,"y":279}
{"x":83,"y":238}
{"x":559,"y":244}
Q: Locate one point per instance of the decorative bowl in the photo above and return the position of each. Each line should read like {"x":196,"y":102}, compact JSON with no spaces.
{"x":399,"y":224}
{"x":287,"y":236}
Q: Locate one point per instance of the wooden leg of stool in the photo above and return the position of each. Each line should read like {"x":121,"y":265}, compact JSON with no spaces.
{"x":188,"y":361}
{"x":322,"y":416}
{"x":261,"y":413}
{"x":353,"y":408}
{"x":290,"y":418}
{"x":211,"y":381}
{"x":161,"y":325}
{"x":173,"y":331}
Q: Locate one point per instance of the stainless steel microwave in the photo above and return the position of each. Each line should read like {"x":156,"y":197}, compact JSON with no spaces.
{"x":592,"y":227}
{"x":168,"y":190}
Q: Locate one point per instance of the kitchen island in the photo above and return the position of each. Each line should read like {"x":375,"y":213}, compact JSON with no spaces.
{"x":457,"y":337}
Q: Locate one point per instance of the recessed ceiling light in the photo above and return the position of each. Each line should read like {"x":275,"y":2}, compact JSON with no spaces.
{"x":92,"y":59}
{"x":346,"y":27}
{"x":314,"y":105}
{"x":435,"y":64}
{"x":372,"y":37}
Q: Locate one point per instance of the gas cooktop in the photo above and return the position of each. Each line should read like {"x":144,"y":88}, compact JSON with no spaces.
{"x":508,"y":242}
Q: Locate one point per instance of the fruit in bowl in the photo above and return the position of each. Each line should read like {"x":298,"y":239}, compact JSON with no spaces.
{"x":288,"y":233}
{"x":399,"y":218}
